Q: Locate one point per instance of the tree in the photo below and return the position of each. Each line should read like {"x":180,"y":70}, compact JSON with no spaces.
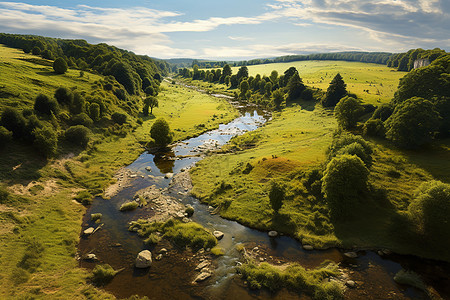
{"x":288,"y":74}
{"x":244,"y":88}
{"x":150,"y":102}
{"x":343,"y":183}
{"x":274,"y":77}
{"x":268,"y":89}
{"x":36,"y":51}
{"x":413,"y":123}
{"x":242,"y":73}
{"x":149,"y":91}
{"x":45,"y":105}
{"x":227,"y":80}
{"x":276,"y":196}
{"x":234,"y":81}
{"x":278,"y":98}
{"x":119,"y":118}
{"x":430,"y":209}
{"x":160,"y":132}
{"x":374,"y":127}
{"x":13,"y":121}
{"x":64,"y":96}
{"x":94,"y":111}
{"x":342,"y":140}
{"x":46,"y":140}
{"x":226,"y":70}
{"x":60,"y":65}
{"x":336,"y":90}
{"x":82,"y":119}
{"x":295,"y":87}
{"x":348,"y":111}
{"x":78,"y":135}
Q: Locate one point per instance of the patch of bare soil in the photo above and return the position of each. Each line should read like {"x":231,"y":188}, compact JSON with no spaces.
{"x":123,"y":178}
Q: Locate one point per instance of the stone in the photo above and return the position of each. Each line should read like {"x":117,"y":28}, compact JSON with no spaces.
{"x":133,"y":175}
{"x":168,"y":175}
{"x":202,"y":265}
{"x":163,"y":251}
{"x":90,"y":256}
{"x":272,"y":233}
{"x":351,"y":254}
{"x":148,"y":168}
{"x":202,"y":276}
{"x":159,"y":256}
{"x":218,"y":234}
{"x":308,"y":247}
{"x":89,"y":231}
{"x":144,"y":259}
{"x":350,"y":283}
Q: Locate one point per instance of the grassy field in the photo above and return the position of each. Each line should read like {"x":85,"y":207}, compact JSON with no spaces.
{"x":40,"y":222}
{"x":286,"y":149}
{"x":379,"y":80}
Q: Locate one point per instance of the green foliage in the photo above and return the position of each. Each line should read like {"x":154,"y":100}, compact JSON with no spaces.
{"x":336,"y":90}
{"x":60,"y":65}
{"x":358,"y":150}
{"x":31,"y":259}
{"x":413,"y":123}
{"x":152,"y":239}
{"x":374,"y":127}
{"x":312,"y":282}
{"x":244,"y":88}
{"x":383,"y":112}
{"x":150,"y":102}
{"x":342,"y":140}
{"x":128,"y":206}
{"x":119,"y":118}
{"x":189,"y":210}
{"x":82,"y":119}
{"x":95,"y":217}
{"x":276,"y":196}
{"x":78,"y":135}
{"x":160,"y":133}
{"x":4,"y":194}
{"x":78,"y":104}
{"x":348,"y":111}
{"x":44,"y":105}
{"x":46,"y":140}
{"x":64,"y":96}
{"x":344,"y":183}
{"x":242,"y":73}
{"x":94,"y":112}
{"x":84,"y":197}
{"x":13,"y":121}
{"x":295,"y":87}
{"x":103,"y":274}
{"x":278,"y":98}
{"x":430,"y":209}
{"x":5,"y":136}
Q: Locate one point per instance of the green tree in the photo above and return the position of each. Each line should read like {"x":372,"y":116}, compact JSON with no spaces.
{"x":268,"y":89}
{"x":274,"y":77}
{"x":78,"y":135}
{"x":78,"y":104}
{"x":160,"y":133}
{"x":119,"y":118}
{"x":276,"y":196}
{"x":36,"y":51}
{"x":413,"y":123}
{"x":46,"y":140}
{"x":374,"y":127}
{"x":278,"y":98}
{"x":226,"y":70}
{"x":348,"y":111}
{"x":150,"y":102}
{"x":227,"y":80}
{"x":13,"y":121}
{"x":288,"y":74}
{"x":342,"y":140}
{"x":150,"y":91}
{"x":295,"y":87}
{"x":45,"y":105}
{"x":5,"y":136}
{"x":94,"y":111}
{"x":344,"y":182}
{"x":242,"y":73}
{"x":336,"y":90}
{"x":60,"y":65}
{"x":244,"y":88}
{"x":64,"y":96}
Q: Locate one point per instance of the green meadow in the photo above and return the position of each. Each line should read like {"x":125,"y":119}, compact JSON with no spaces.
{"x":380,"y":81}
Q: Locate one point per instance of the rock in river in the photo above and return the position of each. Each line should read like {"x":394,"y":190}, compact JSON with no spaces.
{"x":202,"y":276}
{"x":144,"y":259}
{"x":89,"y":231}
{"x":218,"y":234}
{"x":308,"y":247}
{"x":273,"y":233}
{"x":168,"y":175}
{"x":351,"y":254}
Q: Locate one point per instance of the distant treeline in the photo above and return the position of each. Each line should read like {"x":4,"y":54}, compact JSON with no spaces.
{"x":134,"y":72}
{"x":405,"y":61}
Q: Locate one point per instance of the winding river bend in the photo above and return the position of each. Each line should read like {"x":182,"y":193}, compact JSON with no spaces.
{"x":171,"y":277}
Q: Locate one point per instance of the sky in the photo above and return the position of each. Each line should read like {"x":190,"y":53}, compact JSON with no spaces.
{"x":237,"y":29}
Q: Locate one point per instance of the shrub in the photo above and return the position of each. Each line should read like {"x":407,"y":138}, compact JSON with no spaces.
{"x":430,"y":209}
{"x":374,"y":127}
{"x":347,"y":111}
{"x":36,"y":50}
{"x":84,"y":197}
{"x":46,"y":140}
{"x":78,"y":135}
{"x":5,"y":136}
{"x":95,"y":217}
{"x":161,"y":133}
{"x":64,"y":96}
{"x":152,"y":239}
{"x":129,"y":206}
{"x":276,"y":196}
{"x":103,"y":274}
{"x":94,"y":112}
{"x":13,"y":121}
{"x":119,"y":118}
{"x":383,"y":112}
{"x":60,"y":65}
{"x":189,"y":210}
{"x":343,"y":183}
{"x":358,"y":150}
{"x":78,"y":104}
{"x":341,"y":140}
{"x":45,"y":105}
{"x":217,"y":251}
{"x":82,"y":119}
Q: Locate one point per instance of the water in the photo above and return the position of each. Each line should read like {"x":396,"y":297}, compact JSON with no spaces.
{"x":171,"y":277}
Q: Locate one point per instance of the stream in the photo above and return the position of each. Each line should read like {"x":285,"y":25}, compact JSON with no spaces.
{"x":171,"y":277}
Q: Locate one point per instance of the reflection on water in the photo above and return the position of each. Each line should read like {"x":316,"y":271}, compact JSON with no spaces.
{"x":171,"y":277}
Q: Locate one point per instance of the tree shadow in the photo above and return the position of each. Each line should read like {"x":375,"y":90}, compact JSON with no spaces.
{"x":48,"y":73}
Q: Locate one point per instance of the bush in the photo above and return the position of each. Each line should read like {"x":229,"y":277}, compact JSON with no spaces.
{"x":13,"y":121}
{"x":343,"y":183}
{"x":358,"y":150}
{"x":5,"y":136}
{"x":374,"y":127}
{"x":348,"y":111}
{"x":430,"y":209}
{"x":45,"y":105}
{"x":160,"y":132}
{"x":78,"y":135}
{"x":46,"y":140}
{"x":119,"y":118}
{"x":60,"y":65}
{"x":383,"y":112}
{"x":189,"y":210}
{"x":94,"y":111}
{"x":340,"y":140}
{"x":82,"y":119}
{"x":103,"y":274}
{"x":128,"y":206}
{"x":95,"y":217}
{"x":152,"y":239}
{"x":84,"y":197}
{"x":64,"y":96}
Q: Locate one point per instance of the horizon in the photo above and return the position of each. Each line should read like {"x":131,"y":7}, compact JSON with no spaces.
{"x":236,"y":31}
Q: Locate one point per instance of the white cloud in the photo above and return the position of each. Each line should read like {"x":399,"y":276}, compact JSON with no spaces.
{"x":241,"y":38}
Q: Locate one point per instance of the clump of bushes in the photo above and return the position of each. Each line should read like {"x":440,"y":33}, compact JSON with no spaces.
{"x":84,"y":197}
{"x":60,"y":65}
{"x":374,"y":127}
{"x":119,"y":118}
{"x":78,"y":135}
{"x":341,"y":140}
{"x":152,"y":239}
{"x":128,"y":206}
{"x":348,"y":111}
{"x":103,"y":274}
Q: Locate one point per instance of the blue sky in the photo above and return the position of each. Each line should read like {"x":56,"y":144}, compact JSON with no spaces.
{"x":237,"y":29}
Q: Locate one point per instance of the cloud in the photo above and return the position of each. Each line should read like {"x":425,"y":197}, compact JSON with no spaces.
{"x":241,"y":38}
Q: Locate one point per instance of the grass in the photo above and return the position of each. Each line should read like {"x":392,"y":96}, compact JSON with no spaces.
{"x":50,"y":215}
{"x":103,"y":274}
{"x":294,"y":277}
{"x":380,"y":80}
{"x":128,"y":206}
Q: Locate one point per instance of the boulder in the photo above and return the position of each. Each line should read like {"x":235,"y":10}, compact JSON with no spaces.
{"x":202,"y":276}
{"x":89,"y":231}
{"x":202,"y":265}
{"x":168,"y":175}
{"x":218,"y":234}
{"x":144,"y":259}
{"x":163,"y":251}
{"x":350,"y":283}
{"x":308,"y":247}
{"x":159,"y":257}
{"x":149,"y":169}
{"x":90,"y":256}
{"x":351,"y":254}
{"x":272,"y":233}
